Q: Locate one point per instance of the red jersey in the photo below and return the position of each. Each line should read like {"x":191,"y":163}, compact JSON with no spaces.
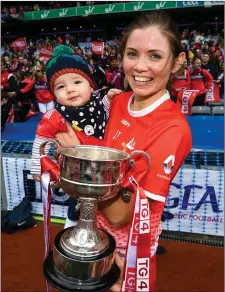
{"x":201,"y":80}
{"x":183,"y":81}
{"x":160,"y":130}
{"x":51,"y":124}
{"x":42,"y":93}
{"x":5,"y":75}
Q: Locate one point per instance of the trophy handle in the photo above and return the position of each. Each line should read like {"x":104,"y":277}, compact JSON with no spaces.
{"x":55,"y":154}
{"x":132,"y":161}
{"x":54,"y":142}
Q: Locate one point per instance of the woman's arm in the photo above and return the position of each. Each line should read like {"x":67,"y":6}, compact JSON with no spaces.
{"x":208,"y":78}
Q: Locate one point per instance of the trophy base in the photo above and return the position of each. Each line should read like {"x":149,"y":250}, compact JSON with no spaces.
{"x":68,"y":272}
{"x":68,"y":284}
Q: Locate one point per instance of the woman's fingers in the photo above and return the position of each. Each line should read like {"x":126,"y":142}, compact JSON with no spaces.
{"x":117,"y":287}
{"x":119,"y":261}
{"x":69,"y":138}
{"x":70,"y":130}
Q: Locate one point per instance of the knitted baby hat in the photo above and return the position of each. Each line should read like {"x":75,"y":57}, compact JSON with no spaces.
{"x":63,"y":62}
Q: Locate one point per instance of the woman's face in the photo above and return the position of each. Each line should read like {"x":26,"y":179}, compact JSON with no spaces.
{"x":39,"y":73}
{"x":147,"y":62}
{"x":38,"y":64}
{"x":197,"y":63}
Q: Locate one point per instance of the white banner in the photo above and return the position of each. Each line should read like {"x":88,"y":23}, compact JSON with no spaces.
{"x":19,"y":183}
{"x":196,"y":197}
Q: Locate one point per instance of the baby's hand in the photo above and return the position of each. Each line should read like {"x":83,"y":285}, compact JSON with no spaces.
{"x":112,"y":92}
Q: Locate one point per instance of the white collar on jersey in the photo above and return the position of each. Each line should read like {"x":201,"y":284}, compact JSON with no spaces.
{"x":148,"y":109}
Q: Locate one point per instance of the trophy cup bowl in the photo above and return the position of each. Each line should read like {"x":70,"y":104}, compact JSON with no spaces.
{"x":83,"y":256}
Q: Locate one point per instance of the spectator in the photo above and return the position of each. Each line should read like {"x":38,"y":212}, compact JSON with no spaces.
{"x":20,"y":63}
{"x":98,"y":72}
{"x":114,"y":75}
{"x":26,"y":65}
{"x":7,"y":62}
{"x":220,"y":80}
{"x":182,"y":80}
{"x":43,"y":95}
{"x":24,"y":96}
{"x":201,"y":80}
{"x":8,"y":84}
{"x":207,"y":66}
{"x":38,"y":66}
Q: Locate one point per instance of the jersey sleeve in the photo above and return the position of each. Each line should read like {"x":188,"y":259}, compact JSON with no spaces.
{"x":106,"y":105}
{"x":51,"y":124}
{"x":35,"y":158}
{"x":208,"y":78}
{"x":167,"y":156}
{"x":28,"y":86}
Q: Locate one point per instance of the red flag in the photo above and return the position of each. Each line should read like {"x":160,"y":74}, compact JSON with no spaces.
{"x":59,"y":40}
{"x":213,"y":94}
{"x":97,"y":48}
{"x":186,"y":99}
{"x":19,"y":44}
{"x":46,"y":52}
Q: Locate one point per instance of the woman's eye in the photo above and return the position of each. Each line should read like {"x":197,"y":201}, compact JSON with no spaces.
{"x":77,"y":82}
{"x":155,"y":57}
{"x":131,"y":54}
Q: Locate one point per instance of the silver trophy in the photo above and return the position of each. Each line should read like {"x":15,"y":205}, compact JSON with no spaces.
{"x":83,"y":256}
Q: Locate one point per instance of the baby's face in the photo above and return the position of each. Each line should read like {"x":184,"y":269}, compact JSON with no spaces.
{"x":72,"y":89}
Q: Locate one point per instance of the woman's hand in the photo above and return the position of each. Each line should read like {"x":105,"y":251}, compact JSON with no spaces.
{"x":117,"y":287}
{"x":69,"y":138}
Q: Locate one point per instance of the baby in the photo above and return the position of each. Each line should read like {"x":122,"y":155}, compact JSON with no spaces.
{"x":72,"y":84}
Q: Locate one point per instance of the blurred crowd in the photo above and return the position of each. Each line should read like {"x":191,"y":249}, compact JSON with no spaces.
{"x":20,"y":8}
{"x":24,"y":86}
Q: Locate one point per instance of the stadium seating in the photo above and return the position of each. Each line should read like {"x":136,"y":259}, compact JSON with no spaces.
{"x":221,"y":102}
{"x":217,"y":110}
{"x":200,"y":110}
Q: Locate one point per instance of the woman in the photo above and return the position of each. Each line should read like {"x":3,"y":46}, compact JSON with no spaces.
{"x":201,"y":80}
{"x":9,"y":102}
{"x":181,"y":80}
{"x":220,"y":80}
{"x":43,"y":96}
{"x":114,"y":75}
{"x":145,"y":119}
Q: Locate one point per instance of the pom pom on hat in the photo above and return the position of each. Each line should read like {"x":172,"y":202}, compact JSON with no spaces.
{"x":62,"y":50}
{"x":63,"y":62}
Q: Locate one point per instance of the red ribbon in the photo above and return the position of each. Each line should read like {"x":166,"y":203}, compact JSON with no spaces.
{"x":50,"y":173}
{"x":136,"y":276}
{"x":47,"y":165}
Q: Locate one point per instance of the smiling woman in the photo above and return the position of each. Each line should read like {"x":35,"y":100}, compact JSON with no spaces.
{"x":145,"y":119}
